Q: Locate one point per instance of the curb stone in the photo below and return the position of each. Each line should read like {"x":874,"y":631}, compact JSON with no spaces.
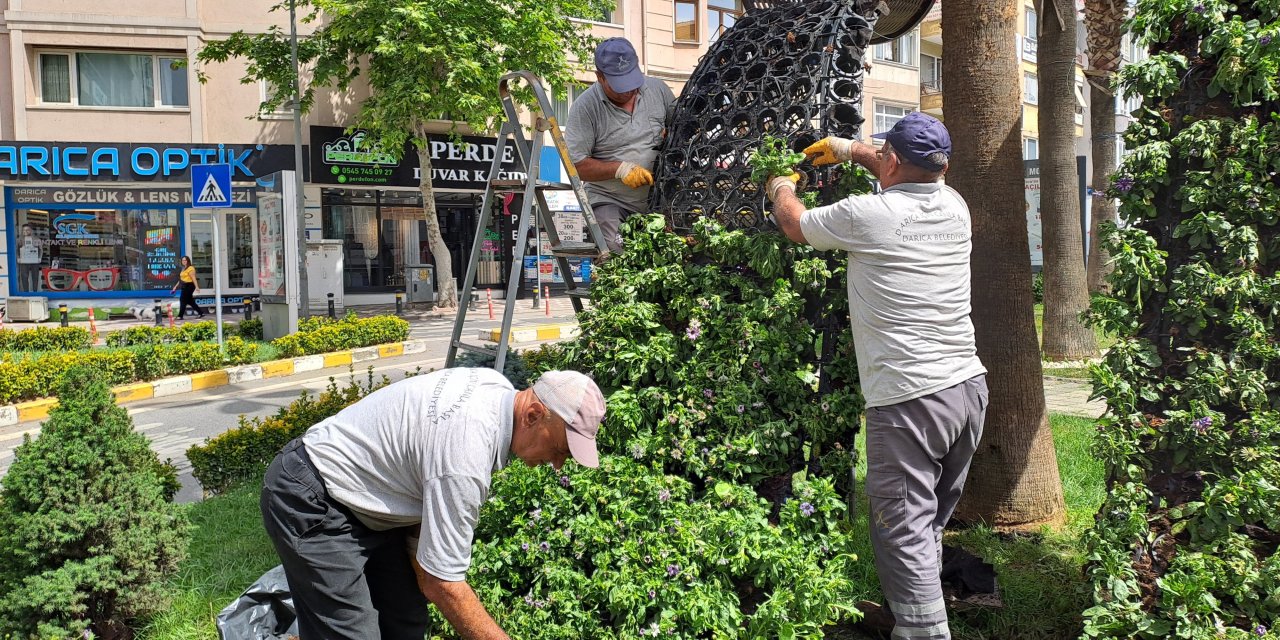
{"x":536,"y":333}
{"x":39,"y":409}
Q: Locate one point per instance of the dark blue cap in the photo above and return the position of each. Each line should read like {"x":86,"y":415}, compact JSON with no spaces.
{"x":617,"y":60}
{"x":918,"y":136}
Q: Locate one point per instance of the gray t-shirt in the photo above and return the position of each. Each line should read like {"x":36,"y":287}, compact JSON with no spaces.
{"x":909,"y":290}
{"x":422,"y":450}
{"x":599,"y":129}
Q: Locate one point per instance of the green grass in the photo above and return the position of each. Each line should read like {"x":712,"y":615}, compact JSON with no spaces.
{"x":1040,"y":575}
{"x":1105,"y":340}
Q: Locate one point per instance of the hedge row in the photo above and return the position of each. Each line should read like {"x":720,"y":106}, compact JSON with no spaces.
{"x":243,"y":453}
{"x":322,"y":335}
{"x":35,"y":376}
{"x":45,"y":339}
{"x":193,"y":332}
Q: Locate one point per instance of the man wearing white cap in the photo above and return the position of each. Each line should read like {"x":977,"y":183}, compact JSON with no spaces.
{"x":408,"y":467}
{"x":614,"y":132}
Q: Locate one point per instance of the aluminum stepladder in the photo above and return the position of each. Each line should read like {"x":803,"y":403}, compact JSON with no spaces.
{"x":528,"y":155}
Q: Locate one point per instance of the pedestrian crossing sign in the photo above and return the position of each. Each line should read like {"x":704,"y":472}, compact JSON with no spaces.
{"x":211,"y":185}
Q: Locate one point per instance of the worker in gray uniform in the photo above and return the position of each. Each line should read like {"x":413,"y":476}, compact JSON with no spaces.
{"x":613,"y":133}
{"x":909,"y":301}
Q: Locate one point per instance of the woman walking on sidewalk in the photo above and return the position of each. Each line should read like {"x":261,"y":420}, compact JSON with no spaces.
{"x":187,"y":280}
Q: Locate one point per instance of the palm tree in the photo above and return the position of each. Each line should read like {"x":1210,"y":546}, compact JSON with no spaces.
{"x":1014,"y":480}
{"x":1066,"y":291}
{"x":1104,"y":24}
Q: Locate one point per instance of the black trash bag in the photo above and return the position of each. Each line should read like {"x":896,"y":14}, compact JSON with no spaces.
{"x":263,"y":612}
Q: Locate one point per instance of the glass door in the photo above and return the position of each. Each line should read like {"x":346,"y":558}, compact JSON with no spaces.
{"x":237,"y":242}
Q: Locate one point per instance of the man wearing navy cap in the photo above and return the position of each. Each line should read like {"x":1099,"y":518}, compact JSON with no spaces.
{"x":909,"y":303}
{"x":613,"y":133}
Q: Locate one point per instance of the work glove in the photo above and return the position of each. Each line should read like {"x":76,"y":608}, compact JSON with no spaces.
{"x":830,"y":150}
{"x":633,"y":175}
{"x":778,"y":183}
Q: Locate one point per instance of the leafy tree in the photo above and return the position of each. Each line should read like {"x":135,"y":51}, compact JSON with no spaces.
{"x":422,"y":60}
{"x":1066,"y":291}
{"x":1014,"y":480}
{"x":1186,"y":543}
{"x":87,"y":532}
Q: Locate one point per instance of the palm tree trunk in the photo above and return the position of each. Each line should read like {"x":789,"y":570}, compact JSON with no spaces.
{"x":1014,"y":479}
{"x":1102,"y":122}
{"x":446,"y":285}
{"x":1066,"y":290}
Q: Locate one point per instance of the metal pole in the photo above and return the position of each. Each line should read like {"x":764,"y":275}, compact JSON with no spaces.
{"x":304,"y":299}
{"x":217,"y":277}
{"x":537,"y":290}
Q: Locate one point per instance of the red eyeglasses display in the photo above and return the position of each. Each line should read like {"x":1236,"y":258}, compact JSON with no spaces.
{"x":99,"y":279}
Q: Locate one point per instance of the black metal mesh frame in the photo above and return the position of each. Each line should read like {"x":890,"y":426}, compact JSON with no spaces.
{"x":790,"y":69}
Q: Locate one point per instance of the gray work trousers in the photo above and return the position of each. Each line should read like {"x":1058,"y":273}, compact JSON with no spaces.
{"x":348,"y":581}
{"x":610,"y":217}
{"x":918,"y":455}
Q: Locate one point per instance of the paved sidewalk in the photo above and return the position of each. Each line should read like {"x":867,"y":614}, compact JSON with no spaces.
{"x":1071,"y":397}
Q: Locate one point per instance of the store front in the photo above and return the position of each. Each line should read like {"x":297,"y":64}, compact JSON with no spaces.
{"x":110,"y":221}
{"x":374,"y":206}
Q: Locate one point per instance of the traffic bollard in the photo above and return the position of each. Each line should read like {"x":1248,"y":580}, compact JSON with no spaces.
{"x":159,"y":314}
{"x":93,"y":326}
{"x":62,"y":309}
{"x":475,"y":299}
{"x":488,"y":294}
{"x":333,"y":315}
{"x":399,"y":303}
{"x":248,"y":309}
{"x":170,"y":307}
{"x":546,"y":296}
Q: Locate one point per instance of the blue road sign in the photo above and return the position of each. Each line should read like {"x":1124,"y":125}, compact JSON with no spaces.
{"x":211,"y":185}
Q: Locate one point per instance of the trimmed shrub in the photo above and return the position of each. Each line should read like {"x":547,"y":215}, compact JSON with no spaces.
{"x":157,"y":361}
{"x":86,"y":532}
{"x":244,"y":452}
{"x":191,"y":332}
{"x":32,"y":376}
{"x":322,"y":335}
{"x":46,"y":339}
{"x":250,"y":329}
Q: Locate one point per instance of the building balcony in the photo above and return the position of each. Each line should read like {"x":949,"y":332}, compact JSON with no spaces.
{"x":931,"y":27}
{"x":931,"y":97}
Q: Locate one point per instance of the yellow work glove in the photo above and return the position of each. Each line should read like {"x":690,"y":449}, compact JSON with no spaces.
{"x":778,"y":183}
{"x":633,"y":175}
{"x":830,"y":150}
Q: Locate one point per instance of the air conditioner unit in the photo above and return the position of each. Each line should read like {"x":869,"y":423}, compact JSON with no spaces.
{"x":31,"y":309}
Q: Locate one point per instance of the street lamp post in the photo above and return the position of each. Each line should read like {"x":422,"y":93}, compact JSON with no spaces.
{"x":301,"y":202}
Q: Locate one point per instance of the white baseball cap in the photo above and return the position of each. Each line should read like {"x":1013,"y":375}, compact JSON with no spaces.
{"x":578,"y":401}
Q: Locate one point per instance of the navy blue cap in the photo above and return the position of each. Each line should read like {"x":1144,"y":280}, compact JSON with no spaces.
{"x":918,"y":136}
{"x":617,"y":60}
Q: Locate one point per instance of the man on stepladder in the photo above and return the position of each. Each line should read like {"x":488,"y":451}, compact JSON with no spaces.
{"x":614,"y":132}
{"x":925,"y":389}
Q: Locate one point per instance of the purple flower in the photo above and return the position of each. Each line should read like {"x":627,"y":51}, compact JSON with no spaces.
{"x":695,"y":329}
{"x":528,"y":600}
{"x":1253,"y":203}
{"x":545,"y":546}
{"x":826,"y":406}
{"x":741,"y":408}
{"x":664,"y":495}
{"x":648,"y":559}
{"x":564,"y":481}
{"x":1199,"y":8}
{"x":708,"y":393}
{"x":1202,"y":424}
{"x":652,"y":594}
{"x":524,"y":547}
{"x":536,"y":514}
{"x":807,"y":509}
{"x":1124,"y":185}
{"x":672,"y":418}
{"x":1264,"y":40}
{"x":672,"y":570}
{"x":1260,"y":631}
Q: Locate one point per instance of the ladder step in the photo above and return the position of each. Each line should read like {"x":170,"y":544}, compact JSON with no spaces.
{"x":576,"y":250}
{"x":488,"y":351}
{"x":519,"y":185}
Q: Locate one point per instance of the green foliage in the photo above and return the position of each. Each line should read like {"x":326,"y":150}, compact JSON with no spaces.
{"x":191,"y":332}
{"x":514,"y":368}
{"x":86,"y":531}
{"x":1037,"y":287}
{"x":243,"y":453}
{"x":250,"y":329}
{"x":158,"y":361}
{"x":1185,"y":545}
{"x":31,"y":376}
{"x":45,"y":339}
{"x":665,"y":558}
{"x":421,"y":59}
{"x":773,"y":158}
{"x":322,"y":335}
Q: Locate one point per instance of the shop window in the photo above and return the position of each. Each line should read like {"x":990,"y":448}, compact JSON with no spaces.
{"x":686,"y":27}
{"x":610,"y":16}
{"x":900,"y":51}
{"x":560,"y":108}
{"x":112,"y":79}
{"x":931,"y":73}
{"x":283,"y":111}
{"x":722,"y":14}
{"x":95,"y":250}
